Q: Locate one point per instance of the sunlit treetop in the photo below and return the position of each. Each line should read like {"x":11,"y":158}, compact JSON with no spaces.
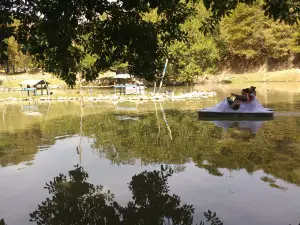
{"x":287,"y":11}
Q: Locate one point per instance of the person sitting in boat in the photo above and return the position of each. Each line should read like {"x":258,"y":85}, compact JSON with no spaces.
{"x":244,"y":96}
{"x":235,"y":100}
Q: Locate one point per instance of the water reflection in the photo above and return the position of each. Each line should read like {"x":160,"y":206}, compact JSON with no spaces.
{"x":30,"y":110}
{"x":22,"y":145}
{"x":251,"y":126}
{"x":73,"y":200}
{"x":249,"y":145}
{"x":248,"y":128}
{"x":172,"y":137}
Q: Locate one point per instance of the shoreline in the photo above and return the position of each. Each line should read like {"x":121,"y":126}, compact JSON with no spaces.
{"x":280,"y":76}
{"x":112,"y":98}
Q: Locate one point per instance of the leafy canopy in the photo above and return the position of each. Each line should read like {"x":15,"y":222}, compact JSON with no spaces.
{"x":64,"y":34}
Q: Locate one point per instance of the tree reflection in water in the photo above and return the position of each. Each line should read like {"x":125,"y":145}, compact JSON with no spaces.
{"x":275,"y":149}
{"x":75,"y":201}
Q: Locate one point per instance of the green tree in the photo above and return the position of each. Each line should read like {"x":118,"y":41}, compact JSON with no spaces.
{"x":17,"y":60}
{"x":243,"y":32}
{"x":287,"y":11}
{"x":6,"y":30}
{"x":251,"y":36}
{"x":197,"y":55}
{"x":279,"y":39}
{"x":296,"y":40}
{"x":117,"y":31}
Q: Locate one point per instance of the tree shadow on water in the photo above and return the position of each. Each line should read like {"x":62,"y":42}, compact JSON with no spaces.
{"x":75,"y":201}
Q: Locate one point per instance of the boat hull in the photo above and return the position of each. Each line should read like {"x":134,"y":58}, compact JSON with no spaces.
{"x":209,"y":114}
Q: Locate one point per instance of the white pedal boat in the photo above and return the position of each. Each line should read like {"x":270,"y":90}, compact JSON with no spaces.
{"x":247,"y":109}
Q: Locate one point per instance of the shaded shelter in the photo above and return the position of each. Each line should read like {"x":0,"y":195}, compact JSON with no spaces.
{"x":34,"y":86}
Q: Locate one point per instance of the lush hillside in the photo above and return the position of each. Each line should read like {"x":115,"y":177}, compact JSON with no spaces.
{"x":247,"y":41}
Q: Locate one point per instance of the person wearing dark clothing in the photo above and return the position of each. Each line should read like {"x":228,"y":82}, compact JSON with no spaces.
{"x":237,"y":99}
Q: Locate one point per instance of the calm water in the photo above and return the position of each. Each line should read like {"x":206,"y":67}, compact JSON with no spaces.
{"x":150,"y":163}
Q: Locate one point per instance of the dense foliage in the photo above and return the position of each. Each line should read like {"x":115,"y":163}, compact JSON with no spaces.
{"x":60,"y":34}
{"x":246,"y":36}
{"x":17,"y":60}
{"x":6,"y":30}
{"x":196,"y":56}
{"x":63,"y":35}
{"x":249,"y":34}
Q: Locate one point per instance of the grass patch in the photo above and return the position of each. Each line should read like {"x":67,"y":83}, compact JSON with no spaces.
{"x":278,"y":76}
{"x":226,"y":81}
{"x":13,"y":81}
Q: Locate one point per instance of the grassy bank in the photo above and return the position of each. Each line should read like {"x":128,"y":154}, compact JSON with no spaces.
{"x":13,"y":81}
{"x":292,"y":75}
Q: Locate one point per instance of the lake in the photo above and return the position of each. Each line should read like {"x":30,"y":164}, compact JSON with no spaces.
{"x":150,"y":163}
